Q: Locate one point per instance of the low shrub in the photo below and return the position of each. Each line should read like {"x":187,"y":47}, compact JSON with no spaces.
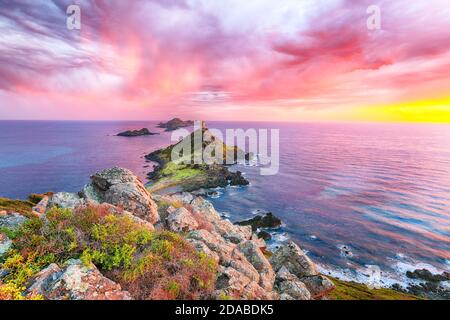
{"x":10,"y":291}
{"x":169,"y":268}
{"x":150,"y":264}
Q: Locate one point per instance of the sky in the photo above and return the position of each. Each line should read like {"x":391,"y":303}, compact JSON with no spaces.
{"x":260,"y":60}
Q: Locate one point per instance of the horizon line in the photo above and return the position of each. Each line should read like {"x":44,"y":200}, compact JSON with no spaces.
{"x":239,"y":121}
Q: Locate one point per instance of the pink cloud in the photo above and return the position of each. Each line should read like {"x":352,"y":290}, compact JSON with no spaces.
{"x":156,"y":58}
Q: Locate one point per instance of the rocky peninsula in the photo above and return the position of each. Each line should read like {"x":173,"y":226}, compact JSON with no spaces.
{"x":185,"y":176}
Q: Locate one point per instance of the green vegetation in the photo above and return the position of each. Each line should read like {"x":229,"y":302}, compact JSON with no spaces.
{"x":357,"y":291}
{"x":19,"y":206}
{"x":184,"y":174}
{"x":173,"y":174}
{"x":10,"y":291}
{"x":149,"y":264}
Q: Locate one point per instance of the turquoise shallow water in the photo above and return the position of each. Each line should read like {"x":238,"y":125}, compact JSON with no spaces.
{"x":380,"y":190}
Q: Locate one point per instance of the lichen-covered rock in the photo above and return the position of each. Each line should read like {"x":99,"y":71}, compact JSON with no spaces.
{"x":79,"y":282}
{"x":289,"y":286}
{"x":205,"y":208}
{"x":241,"y":264}
{"x":40,"y":283}
{"x":229,"y":254}
{"x":253,"y":291}
{"x":225,"y":228}
{"x":90,"y":191}
{"x":259,"y":242}
{"x":318,"y":285}
{"x":231,"y":282}
{"x":237,"y":286}
{"x":201,"y":247}
{"x":214,"y":242}
{"x":5,"y":244}
{"x":184,"y":197}
{"x":294,"y":259}
{"x":12,"y":220}
{"x":120,"y":187}
{"x":285,"y":296}
{"x":231,"y":232}
{"x":181,"y":220}
{"x":255,"y":256}
{"x":66,"y":200}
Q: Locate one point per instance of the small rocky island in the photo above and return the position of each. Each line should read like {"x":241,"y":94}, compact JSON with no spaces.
{"x":136,"y":133}
{"x":175,"y":124}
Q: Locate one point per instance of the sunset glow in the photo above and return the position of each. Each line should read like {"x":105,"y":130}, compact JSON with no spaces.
{"x":290,"y":60}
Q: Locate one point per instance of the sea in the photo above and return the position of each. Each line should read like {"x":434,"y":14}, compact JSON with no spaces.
{"x":354,"y":196}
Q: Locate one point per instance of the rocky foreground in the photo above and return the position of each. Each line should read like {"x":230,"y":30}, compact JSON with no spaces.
{"x":173,"y":238}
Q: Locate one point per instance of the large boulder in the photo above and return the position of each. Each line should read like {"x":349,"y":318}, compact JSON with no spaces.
{"x":294,"y":259}
{"x":79,"y":282}
{"x":225,"y":228}
{"x":231,"y":281}
{"x":214,"y":242}
{"x":318,"y":286}
{"x":12,"y":220}
{"x":204,"y":208}
{"x":236,"y":285}
{"x":254,"y":255}
{"x":40,"y":283}
{"x":183,"y":197}
{"x":228,"y":253}
{"x":181,"y":220}
{"x":120,"y":187}
{"x":290,"y":287}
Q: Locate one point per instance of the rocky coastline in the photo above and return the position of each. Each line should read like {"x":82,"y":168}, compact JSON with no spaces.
{"x":117,"y":239}
{"x":243,"y":268}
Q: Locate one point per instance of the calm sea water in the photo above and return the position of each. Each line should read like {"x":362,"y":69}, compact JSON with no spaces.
{"x":380,"y":190}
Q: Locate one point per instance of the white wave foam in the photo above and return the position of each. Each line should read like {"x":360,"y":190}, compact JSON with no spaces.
{"x":388,"y":277}
{"x":361,"y":275}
